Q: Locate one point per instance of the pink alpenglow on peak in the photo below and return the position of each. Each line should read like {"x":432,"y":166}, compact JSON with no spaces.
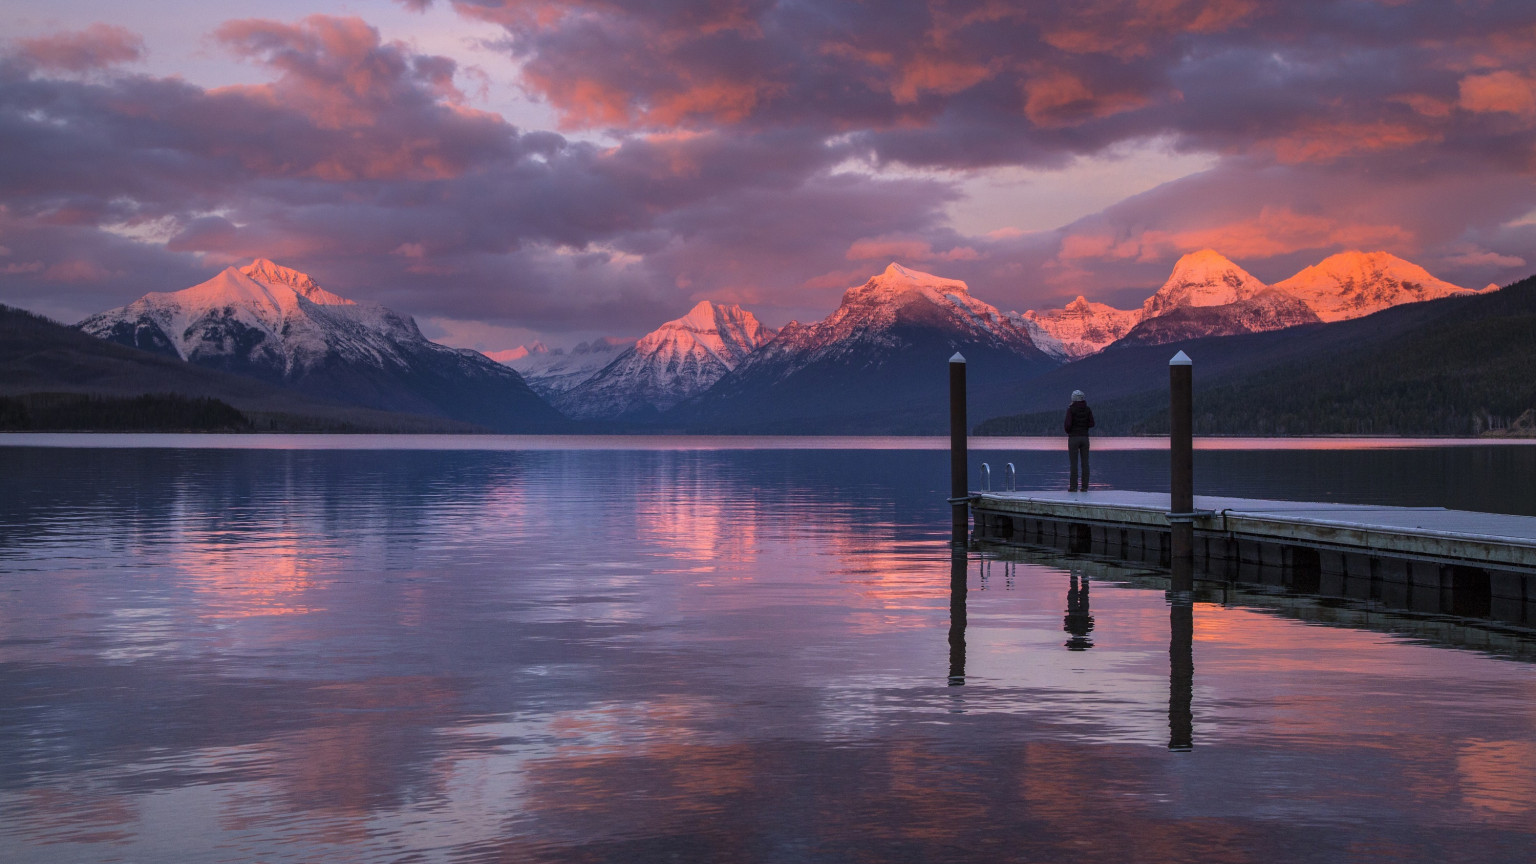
{"x":264,"y":271}
{"x":273,"y":323}
{"x":511,"y":355}
{"x":262,"y":315}
{"x":674,"y":362}
{"x":726,"y":331}
{"x":901,"y":294}
{"x":1204,"y":278}
{"x":1208,"y":295}
{"x":875,"y":315}
{"x":1354,"y":284}
{"x":1080,"y":328}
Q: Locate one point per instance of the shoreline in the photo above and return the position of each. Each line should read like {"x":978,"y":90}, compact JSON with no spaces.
{"x":468,"y":441}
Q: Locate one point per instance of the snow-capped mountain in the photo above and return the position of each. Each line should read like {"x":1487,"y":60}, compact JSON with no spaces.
{"x":877,"y":363}
{"x":553,"y":372}
{"x":1204,"y":278}
{"x":274,"y":323}
{"x":1354,"y":284}
{"x":1080,"y":328}
{"x":1208,"y":295}
{"x":885,"y":311}
{"x":679,"y":359}
{"x":1269,"y":309}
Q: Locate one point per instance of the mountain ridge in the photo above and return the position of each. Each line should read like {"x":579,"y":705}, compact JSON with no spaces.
{"x":1207,"y":294}
{"x":278,"y":325}
{"x":40,"y":356}
{"x":1450,"y":366}
{"x":680,"y":359}
{"x":877,"y":363}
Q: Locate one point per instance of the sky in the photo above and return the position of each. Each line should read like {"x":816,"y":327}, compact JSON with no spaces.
{"x":510,"y":170}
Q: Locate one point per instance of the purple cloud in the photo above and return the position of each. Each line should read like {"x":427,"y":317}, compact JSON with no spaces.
{"x":769,"y":153}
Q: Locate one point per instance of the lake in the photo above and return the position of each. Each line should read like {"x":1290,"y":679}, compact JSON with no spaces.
{"x":461,"y":649}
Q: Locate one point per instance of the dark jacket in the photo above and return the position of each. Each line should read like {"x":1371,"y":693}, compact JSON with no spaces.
{"x":1079,"y":419}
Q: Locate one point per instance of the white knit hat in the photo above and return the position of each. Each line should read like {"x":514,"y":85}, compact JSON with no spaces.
{"x":1077,"y":396}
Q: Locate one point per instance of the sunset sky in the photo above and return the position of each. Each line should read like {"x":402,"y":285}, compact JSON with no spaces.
{"x":560,"y":169}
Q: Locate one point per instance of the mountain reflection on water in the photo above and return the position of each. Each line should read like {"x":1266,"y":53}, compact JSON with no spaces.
{"x":293,"y":655}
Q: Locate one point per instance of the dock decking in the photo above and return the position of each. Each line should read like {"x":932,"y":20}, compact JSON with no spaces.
{"x":1391,"y":553}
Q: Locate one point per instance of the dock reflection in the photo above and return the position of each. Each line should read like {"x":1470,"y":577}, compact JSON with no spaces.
{"x":1078,"y":622}
{"x":1181,"y":657}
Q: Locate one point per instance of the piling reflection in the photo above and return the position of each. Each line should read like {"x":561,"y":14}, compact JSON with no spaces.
{"x":1181,"y":674}
{"x":1181,"y":655}
{"x":958,"y":562}
{"x":1078,"y":622}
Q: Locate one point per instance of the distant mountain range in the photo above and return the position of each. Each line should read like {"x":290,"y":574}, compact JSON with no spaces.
{"x":1208,"y":295}
{"x":1461,"y":365}
{"x":277,"y":325}
{"x":553,"y":372}
{"x":876,"y":364}
{"x":846,"y":372}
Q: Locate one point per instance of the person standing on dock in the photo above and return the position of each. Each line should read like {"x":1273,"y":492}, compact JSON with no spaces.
{"x":1079,"y":421}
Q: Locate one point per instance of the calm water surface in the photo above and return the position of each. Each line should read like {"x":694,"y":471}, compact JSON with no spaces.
{"x":676,"y":654}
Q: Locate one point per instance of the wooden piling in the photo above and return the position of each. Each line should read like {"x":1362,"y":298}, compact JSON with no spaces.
{"x":959,"y":455}
{"x":1181,"y":449}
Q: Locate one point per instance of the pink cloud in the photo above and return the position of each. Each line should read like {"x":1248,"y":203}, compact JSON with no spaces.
{"x":98,"y":46}
{"x":1131,"y":30}
{"x":1483,"y":259}
{"x":1274,"y":231}
{"x":1499,"y":92}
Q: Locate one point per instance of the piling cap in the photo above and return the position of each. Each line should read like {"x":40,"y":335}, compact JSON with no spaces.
{"x":957,"y":358}
{"x":1181,"y":359}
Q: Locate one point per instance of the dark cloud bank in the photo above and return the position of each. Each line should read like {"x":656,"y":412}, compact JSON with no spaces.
{"x":746,"y":142}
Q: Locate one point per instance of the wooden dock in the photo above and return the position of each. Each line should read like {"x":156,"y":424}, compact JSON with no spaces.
{"x":1423,"y":558}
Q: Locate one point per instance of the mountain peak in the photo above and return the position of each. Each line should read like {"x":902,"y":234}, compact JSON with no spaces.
{"x":267,"y":272}
{"x":677,"y":360}
{"x":700,"y":317}
{"x":898,"y":286}
{"x":1205,"y":265}
{"x":1080,"y":328}
{"x":896,"y":275}
{"x":725,"y":330}
{"x":1353,"y":283}
{"x":1203,"y":278}
{"x":510,"y":355}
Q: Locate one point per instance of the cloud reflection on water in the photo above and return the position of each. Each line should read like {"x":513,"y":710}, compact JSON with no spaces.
{"x":626,"y":656}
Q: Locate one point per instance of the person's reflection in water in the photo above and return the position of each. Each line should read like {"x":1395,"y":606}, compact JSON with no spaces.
{"x":1181,"y":658}
{"x":1078,"y":622}
{"x":957,"y":567}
